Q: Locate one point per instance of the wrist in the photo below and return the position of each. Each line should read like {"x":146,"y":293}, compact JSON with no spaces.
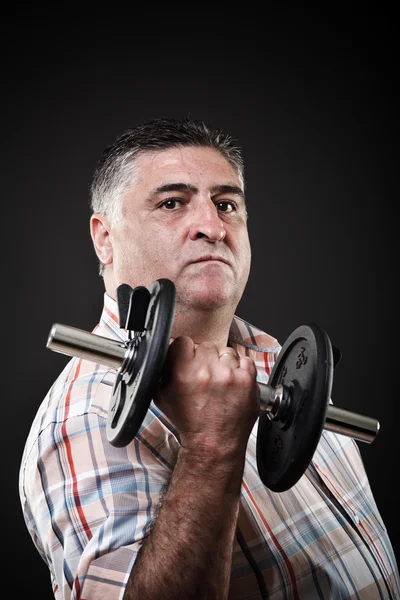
{"x":204,"y":451}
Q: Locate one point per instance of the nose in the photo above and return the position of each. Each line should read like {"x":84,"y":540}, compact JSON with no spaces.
{"x":205,"y":223}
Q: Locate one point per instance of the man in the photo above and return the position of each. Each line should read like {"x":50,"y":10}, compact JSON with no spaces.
{"x":180,"y":512}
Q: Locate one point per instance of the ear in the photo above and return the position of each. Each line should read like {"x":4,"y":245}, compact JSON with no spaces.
{"x":100,"y":230}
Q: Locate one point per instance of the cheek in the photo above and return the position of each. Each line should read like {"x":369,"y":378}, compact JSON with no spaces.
{"x":143,"y":252}
{"x":243,"y":248}
{"x":245,"y":259}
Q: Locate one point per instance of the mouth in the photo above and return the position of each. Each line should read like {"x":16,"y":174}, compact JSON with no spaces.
{"x":210,"y":258}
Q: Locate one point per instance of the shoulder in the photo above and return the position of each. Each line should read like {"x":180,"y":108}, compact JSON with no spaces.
{"x":81,"y":388}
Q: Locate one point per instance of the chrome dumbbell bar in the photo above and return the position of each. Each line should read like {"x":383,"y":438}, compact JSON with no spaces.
{"x":119,"y":355}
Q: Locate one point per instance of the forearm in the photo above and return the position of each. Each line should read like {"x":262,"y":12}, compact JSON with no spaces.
{"x":188,"y":552}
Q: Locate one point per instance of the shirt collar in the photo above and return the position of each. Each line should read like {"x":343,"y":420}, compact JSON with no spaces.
{"x":242,"y":334}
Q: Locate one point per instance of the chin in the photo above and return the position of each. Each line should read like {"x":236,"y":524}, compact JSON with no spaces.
{"x":209,"y":297}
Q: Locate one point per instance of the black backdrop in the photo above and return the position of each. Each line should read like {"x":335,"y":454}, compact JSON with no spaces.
{"x":313,"y":104}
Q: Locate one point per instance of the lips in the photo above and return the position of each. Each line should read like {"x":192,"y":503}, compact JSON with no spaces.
{"x":211,"y":258}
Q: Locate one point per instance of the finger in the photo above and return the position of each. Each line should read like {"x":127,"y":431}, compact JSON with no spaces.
{"x":247,"y":363}
{"x":181,"y":349}
{"x":207,"y":351}
{"x":229,"y":356}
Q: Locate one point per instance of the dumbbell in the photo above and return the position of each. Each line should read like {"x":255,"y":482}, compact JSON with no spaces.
{"x":295,"y":404}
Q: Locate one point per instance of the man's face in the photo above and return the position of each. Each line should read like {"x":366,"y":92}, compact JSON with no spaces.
{"x":184,"y":219}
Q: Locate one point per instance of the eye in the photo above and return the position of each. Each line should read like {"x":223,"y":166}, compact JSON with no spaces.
{"x":226,"y":206}
{"x":172,"y":203}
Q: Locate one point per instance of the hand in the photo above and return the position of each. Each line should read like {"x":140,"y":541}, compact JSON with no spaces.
{"x":211,"y":396}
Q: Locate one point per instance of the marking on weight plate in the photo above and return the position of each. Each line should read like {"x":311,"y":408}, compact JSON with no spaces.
{"x":133,"y":384}
{"x":277,"y":449}
{"x":302,"y":358}
{"x":282,"y":375}
{"x":151,"y":316}
{"x":116,"y":400}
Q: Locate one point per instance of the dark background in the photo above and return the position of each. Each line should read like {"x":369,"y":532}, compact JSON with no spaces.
{"x":312,"y":101}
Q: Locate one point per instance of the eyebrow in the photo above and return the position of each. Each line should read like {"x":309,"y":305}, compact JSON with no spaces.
{"x":186,"y":187}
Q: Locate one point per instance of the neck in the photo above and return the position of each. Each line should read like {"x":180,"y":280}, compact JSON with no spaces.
{"x":196,"y":322}
{"x":203,"y":325}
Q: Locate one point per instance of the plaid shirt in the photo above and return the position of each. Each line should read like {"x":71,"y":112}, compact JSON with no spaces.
{"x":87,"y":505}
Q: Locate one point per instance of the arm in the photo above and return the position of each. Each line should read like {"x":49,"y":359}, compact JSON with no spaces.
{"x":188,"y":553}
{"x":214,"y":404}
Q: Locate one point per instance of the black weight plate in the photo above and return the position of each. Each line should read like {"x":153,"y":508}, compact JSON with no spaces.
{"x":285,"y":447}
{"x":134,"y":391}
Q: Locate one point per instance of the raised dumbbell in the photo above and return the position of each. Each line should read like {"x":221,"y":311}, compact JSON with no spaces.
{"x":295,"y":404}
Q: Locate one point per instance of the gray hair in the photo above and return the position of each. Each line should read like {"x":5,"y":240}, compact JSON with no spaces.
{"x":114,"y":172}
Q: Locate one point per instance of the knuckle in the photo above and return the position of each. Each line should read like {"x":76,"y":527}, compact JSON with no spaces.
{"x":183,"y":341}
{"x":202,"y":376}
{"x":226,"y":376}
{"x":247,"y":379}
{"x":248,"y":361}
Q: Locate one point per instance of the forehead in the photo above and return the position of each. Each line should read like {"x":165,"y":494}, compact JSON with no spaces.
{"x":188,"y":164}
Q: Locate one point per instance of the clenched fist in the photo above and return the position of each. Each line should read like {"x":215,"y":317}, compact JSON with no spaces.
{"x":210,"y":395}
